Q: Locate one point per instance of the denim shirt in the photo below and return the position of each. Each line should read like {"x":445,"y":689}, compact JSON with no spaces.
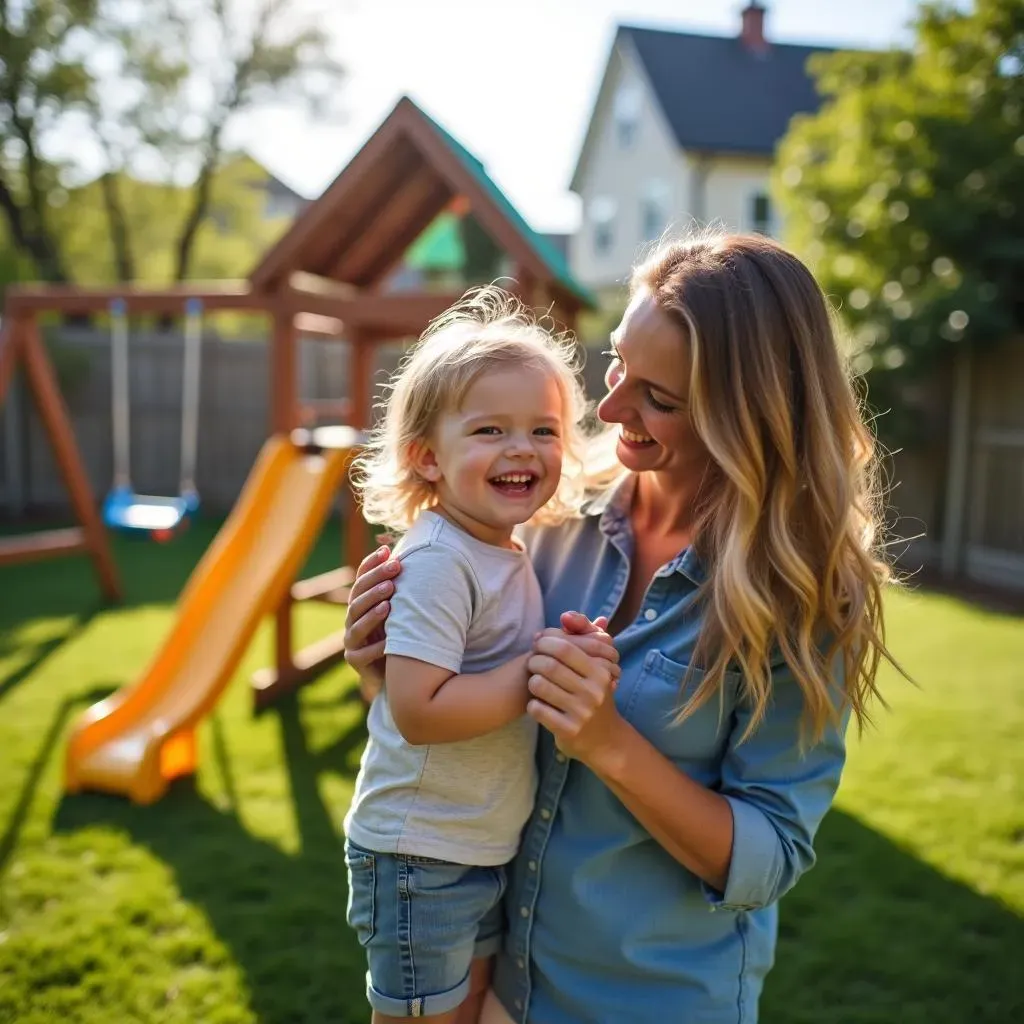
{"x":604,"y":924}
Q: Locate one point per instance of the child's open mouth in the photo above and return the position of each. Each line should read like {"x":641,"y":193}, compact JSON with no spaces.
{"x":514,"y":485}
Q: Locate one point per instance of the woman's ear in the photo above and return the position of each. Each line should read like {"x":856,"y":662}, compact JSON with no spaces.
{"x":424,"y":461}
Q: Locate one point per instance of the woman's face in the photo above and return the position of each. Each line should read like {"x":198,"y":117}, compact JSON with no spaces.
{"x":648,"y":383}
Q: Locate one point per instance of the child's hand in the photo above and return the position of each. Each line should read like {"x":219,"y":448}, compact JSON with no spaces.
{"x":590,"y":637}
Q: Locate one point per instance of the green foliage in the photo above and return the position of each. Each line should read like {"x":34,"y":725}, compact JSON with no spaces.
{"x":906,"y":191}
{"x":151,"y":88}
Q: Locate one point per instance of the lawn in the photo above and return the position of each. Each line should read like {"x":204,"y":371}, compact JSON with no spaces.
{"x":225,"y":902}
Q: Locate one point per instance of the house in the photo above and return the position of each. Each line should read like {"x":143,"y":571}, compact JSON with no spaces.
{"x":683,"y":130}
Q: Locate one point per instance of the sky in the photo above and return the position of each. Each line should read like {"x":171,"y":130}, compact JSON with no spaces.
{"x":513,"y":80}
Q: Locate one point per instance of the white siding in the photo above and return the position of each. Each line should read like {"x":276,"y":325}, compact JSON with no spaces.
{"x":730,"y":184}
{"x":623,"y":174}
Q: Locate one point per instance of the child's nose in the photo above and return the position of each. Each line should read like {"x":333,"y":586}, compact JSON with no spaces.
{"x":519,"y":444}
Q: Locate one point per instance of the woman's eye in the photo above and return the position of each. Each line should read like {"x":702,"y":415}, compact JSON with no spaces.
{"x":659,"y":406}
{"x":610,"y":353}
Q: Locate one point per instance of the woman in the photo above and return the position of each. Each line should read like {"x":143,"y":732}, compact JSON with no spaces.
{"x":735,"y":561}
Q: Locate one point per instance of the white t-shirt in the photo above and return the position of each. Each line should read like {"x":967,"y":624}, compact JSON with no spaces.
{"x":469,"y":607}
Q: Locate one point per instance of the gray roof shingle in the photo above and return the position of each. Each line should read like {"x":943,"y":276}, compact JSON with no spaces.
{"x":719,"y":95}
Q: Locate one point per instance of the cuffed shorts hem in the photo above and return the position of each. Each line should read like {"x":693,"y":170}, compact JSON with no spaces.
{"x":419,"y":1006}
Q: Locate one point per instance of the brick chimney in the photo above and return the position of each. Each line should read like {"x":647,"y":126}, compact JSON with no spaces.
{"x":752,"y":33}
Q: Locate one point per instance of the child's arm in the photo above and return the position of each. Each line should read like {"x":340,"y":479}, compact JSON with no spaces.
{"x":431,"y":704}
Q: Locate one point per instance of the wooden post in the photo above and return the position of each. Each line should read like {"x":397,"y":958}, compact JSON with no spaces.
{"x":13,"y":483}
{"x":958,"y":463}
{"x":360,"y":386}
{"x":42,"y":382}
{"x":10,"y":338}
{"x":285,"y":412}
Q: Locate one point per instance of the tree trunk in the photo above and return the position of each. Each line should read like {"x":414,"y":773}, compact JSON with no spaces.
{"x":200,"y":207}
{"x":32,"y":238}
{"x":120,"y":238}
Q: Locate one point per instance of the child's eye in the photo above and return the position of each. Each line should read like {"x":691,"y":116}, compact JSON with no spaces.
{"x":610,"y":353}
{"x":659,"y":406}
{"x":546,"y":432}
{"x":487,"y":430}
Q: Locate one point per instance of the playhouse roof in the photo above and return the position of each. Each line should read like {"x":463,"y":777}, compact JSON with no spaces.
{"x":408,"y":172}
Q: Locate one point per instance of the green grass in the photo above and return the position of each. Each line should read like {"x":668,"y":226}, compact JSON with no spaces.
{"x":225,"y":901}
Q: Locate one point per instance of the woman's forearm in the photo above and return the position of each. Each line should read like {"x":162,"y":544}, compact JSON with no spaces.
{"x":690,"y":821}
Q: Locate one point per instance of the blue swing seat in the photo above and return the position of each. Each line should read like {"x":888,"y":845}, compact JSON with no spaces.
{"x":146,"y":513}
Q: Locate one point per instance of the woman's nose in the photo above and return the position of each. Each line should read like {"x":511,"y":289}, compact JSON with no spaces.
{"x":610,"y":407}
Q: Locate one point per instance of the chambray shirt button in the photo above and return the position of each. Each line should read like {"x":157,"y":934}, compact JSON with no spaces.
{"x":650,"y":615}
{"x":532,"y":865}
{"x":519,"y":1004}
{"x":560,"y":757}
{"x":524,"y":911}
{"x":520,"y":963}
{"x":545,"y":813}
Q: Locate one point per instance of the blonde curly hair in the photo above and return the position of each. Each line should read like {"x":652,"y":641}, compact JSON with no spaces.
{"x":488,"y":329}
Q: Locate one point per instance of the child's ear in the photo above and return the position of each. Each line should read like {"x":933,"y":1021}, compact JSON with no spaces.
{"x":424,"y":462}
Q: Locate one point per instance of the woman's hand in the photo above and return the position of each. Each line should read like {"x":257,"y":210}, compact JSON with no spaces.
{"x":572,"y":680}
{"x":368,"y":607}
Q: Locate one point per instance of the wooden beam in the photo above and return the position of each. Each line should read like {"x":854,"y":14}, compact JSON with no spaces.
{"x":52,"y":411}
{"x":270,"y":685}
{"x":332,"y":587}
{"x":284,"y":374}
{"x":463,"y":182}
{"x":383,"y":239}
{"x":26,"y":299}
{"x":400,"y":313}
{"x":9,"y":340}
{"x":301,"y":238}
{"x":34,"y":547}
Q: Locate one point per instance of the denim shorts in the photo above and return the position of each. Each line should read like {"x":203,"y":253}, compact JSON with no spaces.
{"x":422,"y":922}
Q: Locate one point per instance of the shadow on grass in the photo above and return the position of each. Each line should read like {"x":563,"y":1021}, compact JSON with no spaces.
{"x":42,"y":651}
{"x":871,"y":936}
{"x":282,"y":915}
{"x":875,"y":936}
{"x":9,"y":840}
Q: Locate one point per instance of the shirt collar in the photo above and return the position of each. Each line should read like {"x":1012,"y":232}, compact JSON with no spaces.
{"x":612,"y":506}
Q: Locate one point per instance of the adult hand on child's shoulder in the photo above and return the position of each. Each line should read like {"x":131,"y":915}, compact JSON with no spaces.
{"x":368,"y":608}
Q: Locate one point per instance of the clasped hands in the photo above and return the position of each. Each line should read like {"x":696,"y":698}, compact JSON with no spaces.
{"x":573,"y":670}
{"x":573,"y":674}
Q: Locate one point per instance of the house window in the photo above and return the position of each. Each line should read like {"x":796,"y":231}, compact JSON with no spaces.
{"x":626,"y":113}
{"x":655,"y":206}
{"x":602,"y":216}
{"x":761,"y":213}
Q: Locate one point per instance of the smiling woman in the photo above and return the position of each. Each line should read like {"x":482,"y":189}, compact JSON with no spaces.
{"x":735,"y":556}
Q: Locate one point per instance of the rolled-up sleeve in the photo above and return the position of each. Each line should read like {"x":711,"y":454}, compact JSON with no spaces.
{"x":778,"y":793}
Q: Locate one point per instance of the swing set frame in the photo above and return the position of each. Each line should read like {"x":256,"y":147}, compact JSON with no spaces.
{"x":321,"y":280}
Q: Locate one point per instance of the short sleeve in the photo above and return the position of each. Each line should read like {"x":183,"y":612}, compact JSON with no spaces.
{"x":432,"y":608}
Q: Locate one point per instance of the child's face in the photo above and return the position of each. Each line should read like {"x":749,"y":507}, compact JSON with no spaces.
{"x":498,"y":458}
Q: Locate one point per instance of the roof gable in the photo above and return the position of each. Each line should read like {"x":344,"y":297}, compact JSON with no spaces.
{"x":408,"y":172}
{"x":719,"y":95}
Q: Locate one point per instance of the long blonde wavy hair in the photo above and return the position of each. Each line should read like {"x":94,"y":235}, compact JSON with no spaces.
{"x":789,"y":514}
{"x":488,"y":329}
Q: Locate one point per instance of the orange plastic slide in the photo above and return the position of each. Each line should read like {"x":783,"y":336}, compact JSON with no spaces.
{"x":141,"y":737}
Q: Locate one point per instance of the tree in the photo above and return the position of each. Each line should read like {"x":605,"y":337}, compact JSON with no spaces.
{"x":135,"y":94}
{"x":906,"y":190}
{"x":43,"y":80}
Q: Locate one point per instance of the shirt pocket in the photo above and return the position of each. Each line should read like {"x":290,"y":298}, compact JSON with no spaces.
{"x":662,"y":691}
